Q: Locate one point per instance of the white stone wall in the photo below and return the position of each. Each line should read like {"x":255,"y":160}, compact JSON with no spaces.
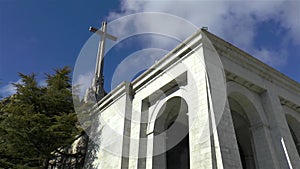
{"x":111,"y":129}
{"x":265,"y":95}
{"x":195,"y":95}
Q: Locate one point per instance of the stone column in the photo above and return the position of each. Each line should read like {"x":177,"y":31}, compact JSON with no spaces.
{"x":250,"y":162}
{"x":263,"y":145}
{"x":199,"y":133}
{"x":279,"y":129}
{"x":149,"y":158}
{"x":127,"y":125}
{"x":159,"y":153}
{"x":298,"y":148}
{"x":228,"y":143}
{"x":143,"y":136}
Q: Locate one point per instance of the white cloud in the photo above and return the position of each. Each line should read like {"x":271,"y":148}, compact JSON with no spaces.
{"x":235,"y":21}
{"x":8,"y":89}
{"x":290,"y":20}
{"x":42,"y":83}
{"x":271,"y":57}
{"x":83,"y":81}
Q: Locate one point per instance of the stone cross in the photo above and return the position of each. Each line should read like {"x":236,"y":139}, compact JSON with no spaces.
{"x":98,"y":81}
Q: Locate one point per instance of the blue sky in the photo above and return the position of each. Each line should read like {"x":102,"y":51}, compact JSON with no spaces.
{"x":37,"y":36}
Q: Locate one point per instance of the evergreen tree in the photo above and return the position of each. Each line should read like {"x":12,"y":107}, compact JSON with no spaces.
{"x":37,"y":121}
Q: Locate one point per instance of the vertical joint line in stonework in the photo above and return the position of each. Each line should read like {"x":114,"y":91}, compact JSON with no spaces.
{"x":212,"y":140}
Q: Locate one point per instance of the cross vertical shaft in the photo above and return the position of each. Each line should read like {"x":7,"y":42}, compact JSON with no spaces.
{"x":100,"y":59}
{"x":98,"y":82}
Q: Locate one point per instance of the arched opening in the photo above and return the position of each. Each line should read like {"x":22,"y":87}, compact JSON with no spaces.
{"x":294,"y":127}
{"x":171,"y":139}
{"x":243,"y":134}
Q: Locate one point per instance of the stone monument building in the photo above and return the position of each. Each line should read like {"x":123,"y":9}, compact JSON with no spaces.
{"x":205,"y":105}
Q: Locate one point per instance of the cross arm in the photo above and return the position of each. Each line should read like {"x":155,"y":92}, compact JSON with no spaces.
{"x":95,"y":30}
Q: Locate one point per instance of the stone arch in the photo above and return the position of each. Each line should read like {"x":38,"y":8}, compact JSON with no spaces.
{"x":243,"y":133}
{"x":155,"y":112}
{"x":294,"y":127}
{"x":248,"y":118}
{"x":249,"y":102}
{"x":171,"y":139}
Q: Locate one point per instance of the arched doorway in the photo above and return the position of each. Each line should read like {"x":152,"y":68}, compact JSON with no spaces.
{"x":294,"y":127}
{"x":243,"y":134}
{"x":171,"y":139}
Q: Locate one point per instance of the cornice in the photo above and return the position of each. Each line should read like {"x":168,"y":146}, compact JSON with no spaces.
{"x":225,"y":49}
{"x":249,"y":62}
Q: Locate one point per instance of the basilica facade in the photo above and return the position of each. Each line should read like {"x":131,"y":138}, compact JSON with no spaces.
{"x":205,"y":105}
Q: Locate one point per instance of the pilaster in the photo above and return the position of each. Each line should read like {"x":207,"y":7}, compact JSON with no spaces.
{"x":279,"y":130}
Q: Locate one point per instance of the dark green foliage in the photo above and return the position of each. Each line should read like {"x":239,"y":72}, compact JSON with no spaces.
{"x":37,"y":121}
